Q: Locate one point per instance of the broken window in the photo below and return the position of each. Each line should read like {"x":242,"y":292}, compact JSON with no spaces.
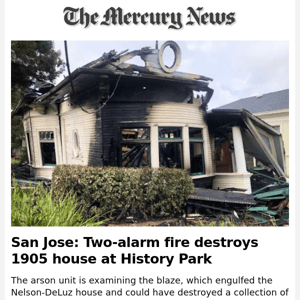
{"x":47,"y":148}
{"x":170,"y":147}
{"x":169,"y":133}
{"x":196,"y":151}
{"x":135,"y":147}
{"x":135,"y":133}
{"x":195,"y":133}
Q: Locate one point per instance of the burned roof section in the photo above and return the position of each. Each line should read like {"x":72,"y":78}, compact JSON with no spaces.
{"x":112,"y":65}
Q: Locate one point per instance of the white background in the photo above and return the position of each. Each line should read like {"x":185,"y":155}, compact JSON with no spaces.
{"x":255,"y":20}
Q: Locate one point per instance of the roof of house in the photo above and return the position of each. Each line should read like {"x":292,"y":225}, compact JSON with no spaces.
{"x":110,"y":67}
{"x":262,"y":103}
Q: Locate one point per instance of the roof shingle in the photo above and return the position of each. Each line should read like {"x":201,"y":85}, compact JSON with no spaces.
{"x":262,"y":103}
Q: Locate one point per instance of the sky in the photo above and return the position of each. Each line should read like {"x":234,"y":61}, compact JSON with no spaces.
{"x":239,"y":69}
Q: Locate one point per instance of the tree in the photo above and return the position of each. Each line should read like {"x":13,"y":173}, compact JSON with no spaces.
{"x":34,"y":60}
{"x":31,"y":61}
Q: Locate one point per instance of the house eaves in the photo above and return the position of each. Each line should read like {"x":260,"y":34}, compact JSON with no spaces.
{"x":85,"y":78}
{"x":111,"y":67}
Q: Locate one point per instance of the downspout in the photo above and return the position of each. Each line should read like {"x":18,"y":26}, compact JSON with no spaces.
{"x":32,"y":160}
{"x":205,"y":101}
{"x":60,"y":134}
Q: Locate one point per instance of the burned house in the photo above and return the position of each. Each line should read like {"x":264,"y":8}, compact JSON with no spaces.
{"x":113,"y":113}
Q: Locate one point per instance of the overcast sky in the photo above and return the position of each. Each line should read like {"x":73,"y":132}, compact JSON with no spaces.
{"x":239,"y":69}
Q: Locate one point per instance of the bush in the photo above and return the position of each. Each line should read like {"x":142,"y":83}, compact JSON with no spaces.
{"x":37,"y":208}
{"x":143,"y":191}
{"x":15,"y":162}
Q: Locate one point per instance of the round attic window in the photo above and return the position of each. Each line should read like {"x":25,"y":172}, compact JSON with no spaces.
{"x":176,"y":55}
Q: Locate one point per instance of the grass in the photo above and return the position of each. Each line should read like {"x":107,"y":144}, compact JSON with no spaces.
{"x":37,"y":208}
{"x":224,"y":222}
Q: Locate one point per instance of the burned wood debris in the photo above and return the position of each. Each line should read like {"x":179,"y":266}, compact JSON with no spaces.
{"x":267,"y":205}
{"x":113,"y":113}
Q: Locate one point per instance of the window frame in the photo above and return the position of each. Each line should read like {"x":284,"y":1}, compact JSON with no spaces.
{"x":41,"y":141}
{"x":123,"y":141}
{"x":197,"y":140}
{"x":178,"y":140}
{"x":271,"y":140}
{"x":171,"y":139}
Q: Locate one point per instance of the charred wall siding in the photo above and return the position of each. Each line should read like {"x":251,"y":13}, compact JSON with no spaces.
{"x":112,"y":115}
{"x":132,"y":104}
{"x":167,"y":113}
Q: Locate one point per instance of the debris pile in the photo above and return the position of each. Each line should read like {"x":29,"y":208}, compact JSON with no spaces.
{"x":21,"y":171}
{"x":272,"y":201}
{"x":267,"y":205}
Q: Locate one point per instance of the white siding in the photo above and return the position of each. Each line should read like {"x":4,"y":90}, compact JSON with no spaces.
{"x":88,"y":128}
{"x":182,"y":115}
{"x":233,"y":180}
{"x":35,"y":122}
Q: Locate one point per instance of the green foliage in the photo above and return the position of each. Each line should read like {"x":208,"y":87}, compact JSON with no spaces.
{"x":224,"y":222}
{"x":15,"y":162}
{"x":37,"y":208}
{"x":32,"y":60}
{"x":23,"y":157}
{"x":143,"y":191}
{"x":17,"y":131}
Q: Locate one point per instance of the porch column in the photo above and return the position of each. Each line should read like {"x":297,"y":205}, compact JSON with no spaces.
{"x":239,"y":152}
{"x":186,"y":148}
{"x":154,"y":147}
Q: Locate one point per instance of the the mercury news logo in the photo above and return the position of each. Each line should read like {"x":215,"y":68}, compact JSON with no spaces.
{"x":116,"y":16}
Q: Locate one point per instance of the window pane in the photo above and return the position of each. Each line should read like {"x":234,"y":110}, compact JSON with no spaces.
{"x":266,"y":140}
{"x":195,"y":133}
{"x":135,"y":155}
{"x":170,"y":155}
{"x":169,"y":132}
{"x":48,"y":153}
{"x":46,"y":135}
{"x":197,"y":157}
{"x":135,"y":133}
